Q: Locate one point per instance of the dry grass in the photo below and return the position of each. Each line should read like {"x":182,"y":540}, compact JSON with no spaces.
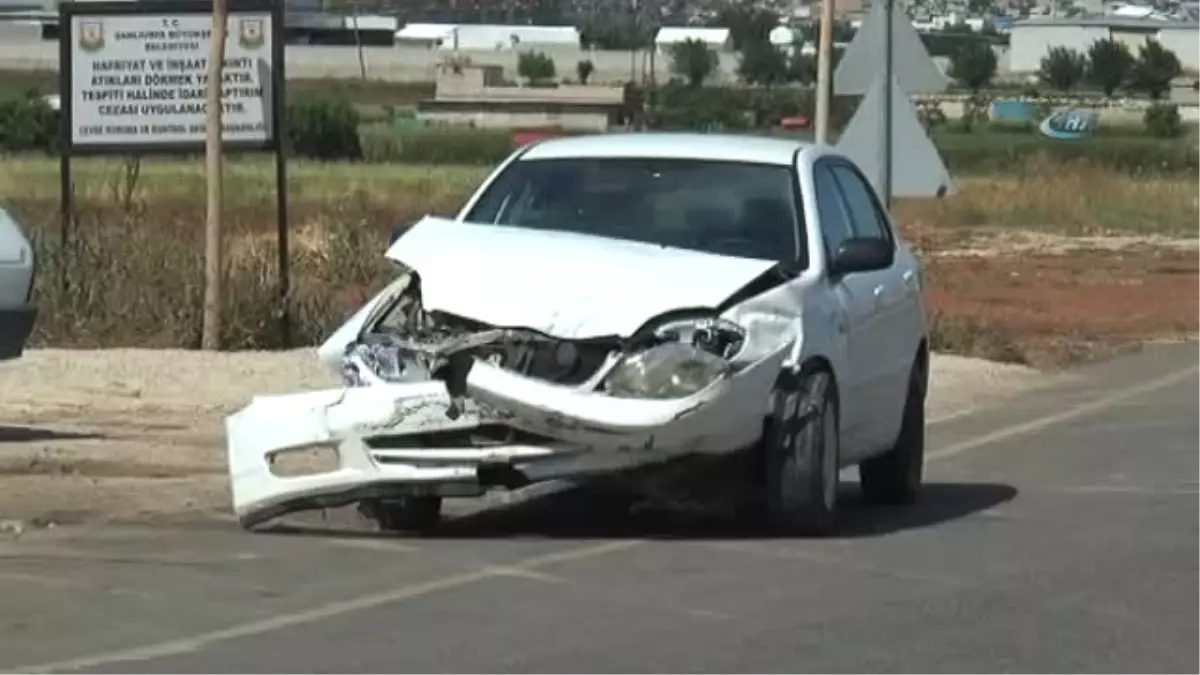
{"x":133,"y":273}
{"x":1075,"y":201}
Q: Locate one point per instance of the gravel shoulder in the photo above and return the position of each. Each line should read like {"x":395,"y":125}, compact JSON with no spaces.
{"x":135,"y":435}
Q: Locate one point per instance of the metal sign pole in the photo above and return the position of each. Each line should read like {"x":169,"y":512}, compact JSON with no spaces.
{"x":885,"y":183}
{"x":279,"y":122}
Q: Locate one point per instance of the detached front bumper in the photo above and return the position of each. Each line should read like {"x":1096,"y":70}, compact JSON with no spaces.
{"x":399,"y":438}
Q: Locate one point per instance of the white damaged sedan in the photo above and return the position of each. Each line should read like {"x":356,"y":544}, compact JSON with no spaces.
{"x":610,"y":302}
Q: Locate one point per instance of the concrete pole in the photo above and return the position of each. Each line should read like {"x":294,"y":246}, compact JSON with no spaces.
{"x":210,"y":337}
{"x":824,"y":72}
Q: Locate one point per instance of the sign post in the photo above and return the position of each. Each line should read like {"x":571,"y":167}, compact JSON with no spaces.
{"x":886,"y":62}
{"x":133,"y":80}
{"x":210,"y":326}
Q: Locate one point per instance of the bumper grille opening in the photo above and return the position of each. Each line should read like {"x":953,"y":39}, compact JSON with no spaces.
{"x":483,"y":436}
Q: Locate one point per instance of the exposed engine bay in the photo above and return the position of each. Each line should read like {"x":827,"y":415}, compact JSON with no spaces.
{"x":402,"y":342}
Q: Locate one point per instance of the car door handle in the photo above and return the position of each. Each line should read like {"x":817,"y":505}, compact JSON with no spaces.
{"x":909,"y":277}
{"x":879,"y":295}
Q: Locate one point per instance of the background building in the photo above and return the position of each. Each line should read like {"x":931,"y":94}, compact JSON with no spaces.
{"x":1033,"y":38}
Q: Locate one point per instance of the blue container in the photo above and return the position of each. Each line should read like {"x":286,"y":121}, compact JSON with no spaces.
{"x":1009,"y":110}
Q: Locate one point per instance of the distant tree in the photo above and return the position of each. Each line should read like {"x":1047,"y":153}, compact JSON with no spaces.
{"x":693,"y":60}
{"x":801,"y":67}
{"x":535,"y":67}
{"x":614,"y":32}
{"x":1154,"y":69}
{"x":1063,"y":68}
{"x":762,"y":63}
{"x":746,"y":23}
{"x":1110,"y":63}
{"x":973,"y":65}
{"x":584,"y":70}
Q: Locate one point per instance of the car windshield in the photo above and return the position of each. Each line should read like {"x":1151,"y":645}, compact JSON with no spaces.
{"x":729,"y":208}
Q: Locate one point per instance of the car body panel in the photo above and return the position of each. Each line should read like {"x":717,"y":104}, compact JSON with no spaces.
{"x":586,"y":299}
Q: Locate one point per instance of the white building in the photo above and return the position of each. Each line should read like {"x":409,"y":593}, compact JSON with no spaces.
{"x":718,"y":39}
{"x":487,"y":37}
{"x":1033,"y":38}
{"x":430,"y":35}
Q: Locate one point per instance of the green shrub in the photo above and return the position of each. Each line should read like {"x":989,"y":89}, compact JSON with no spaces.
{"x":680,"y":107}
{"x":455,"y":146}
{"x":325,"y":129}
{"x":535,"y":66}
{"x":380,"y":143}
{"x":27,"y":123}
{"x":1162,"y":120}
{"x":1004,"y":153}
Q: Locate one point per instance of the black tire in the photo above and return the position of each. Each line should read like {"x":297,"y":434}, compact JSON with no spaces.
{"x":895,"y":477}
{"x":801,"y":447}
{"x":403,"y":514}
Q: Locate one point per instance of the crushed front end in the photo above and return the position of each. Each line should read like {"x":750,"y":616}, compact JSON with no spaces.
{"x":439,"y":404}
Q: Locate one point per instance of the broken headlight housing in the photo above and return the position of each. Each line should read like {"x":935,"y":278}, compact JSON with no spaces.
{"x":684,"y":357}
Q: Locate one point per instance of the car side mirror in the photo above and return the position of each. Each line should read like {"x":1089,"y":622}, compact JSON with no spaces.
{"x":861,"y":254}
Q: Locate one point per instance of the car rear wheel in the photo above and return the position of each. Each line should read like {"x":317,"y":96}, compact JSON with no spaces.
{"x":403,"y":514}
{"x":895,"y":477}
{"x":801,"y":448}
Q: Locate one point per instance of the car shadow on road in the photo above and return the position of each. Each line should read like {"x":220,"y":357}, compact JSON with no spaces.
{"x":25,"y":434}
{"x":580,"y":514}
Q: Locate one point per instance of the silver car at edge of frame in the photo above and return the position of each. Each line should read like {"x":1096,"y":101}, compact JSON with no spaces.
{"x":17,"y":268}
{"x":612,"y":302}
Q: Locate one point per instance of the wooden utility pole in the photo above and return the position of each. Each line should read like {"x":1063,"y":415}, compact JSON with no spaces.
{"x":824,"y":72}
{"x":210,"y":338}
{"x":362,"y":60}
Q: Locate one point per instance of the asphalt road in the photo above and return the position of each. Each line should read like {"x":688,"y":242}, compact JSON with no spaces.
{"x":1057,"y":533}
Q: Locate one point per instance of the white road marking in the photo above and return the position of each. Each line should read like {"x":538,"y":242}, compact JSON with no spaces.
{"x":251,"y":628}
{"x":523,"y":573}
{"x":377,"y":545}
{"x":1150,"y":490}
{"x":1080,"y":410}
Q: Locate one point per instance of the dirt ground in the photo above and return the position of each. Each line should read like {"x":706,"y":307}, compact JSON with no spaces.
{"x":135,"y":435}
{"x":1053,"y":301}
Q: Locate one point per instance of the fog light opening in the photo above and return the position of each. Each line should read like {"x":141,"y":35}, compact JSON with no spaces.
{"x":308,"y":460}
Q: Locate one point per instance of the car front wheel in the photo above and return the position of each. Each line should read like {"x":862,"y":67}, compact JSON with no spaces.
{"x":801,"y":447}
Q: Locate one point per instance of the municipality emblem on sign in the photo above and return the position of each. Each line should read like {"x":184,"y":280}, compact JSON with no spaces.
{"x":250,"y":33}
{"x":91,"y":35}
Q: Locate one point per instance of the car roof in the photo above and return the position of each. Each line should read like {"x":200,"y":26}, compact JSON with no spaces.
{"x":668,"y":145}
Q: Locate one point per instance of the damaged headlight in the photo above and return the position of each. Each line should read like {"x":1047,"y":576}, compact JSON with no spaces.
{"x":689,"y":355}
{"x":379,"y":360}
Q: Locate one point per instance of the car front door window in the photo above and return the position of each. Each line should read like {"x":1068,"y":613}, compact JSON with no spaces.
{"x":865,"y":219}
{"x":834,"y":214}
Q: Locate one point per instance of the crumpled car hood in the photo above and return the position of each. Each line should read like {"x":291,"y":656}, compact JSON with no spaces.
{"x":563,"y":284}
